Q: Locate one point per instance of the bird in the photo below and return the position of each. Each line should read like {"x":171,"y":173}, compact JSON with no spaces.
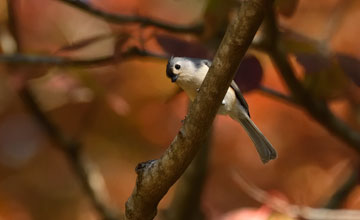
{"x":189,"y":73}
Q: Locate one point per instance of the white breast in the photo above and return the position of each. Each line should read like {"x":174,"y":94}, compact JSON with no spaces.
{"x":191,"y":82}
{"x":229,"y":103}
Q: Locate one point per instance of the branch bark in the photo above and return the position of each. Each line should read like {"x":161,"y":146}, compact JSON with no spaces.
{"x":145,"y":21}
{"x":157,"y":176}
{"x":186,"y":203}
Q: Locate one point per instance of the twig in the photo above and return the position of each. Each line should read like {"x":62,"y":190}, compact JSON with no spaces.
{"x":291,"y":210}
{"x":62,"y":61}
{"x":51,"y":60}
{"x":317,"y":108}
{"x":343,"y":191}
{"x":145,"y":21}
{"x":277,"y":94}
{"x":88,"y":174}
{"x":157,"y":176}
{"x":84,"y":168}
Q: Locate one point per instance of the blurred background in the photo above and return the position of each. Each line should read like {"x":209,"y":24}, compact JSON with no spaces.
{"x":120,"y":109}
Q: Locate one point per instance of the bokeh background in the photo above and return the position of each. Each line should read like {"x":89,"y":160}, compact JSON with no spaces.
{"x":126,"y":111}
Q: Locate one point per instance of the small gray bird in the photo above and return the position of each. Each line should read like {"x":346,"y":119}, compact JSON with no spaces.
{"x":189,"y":73}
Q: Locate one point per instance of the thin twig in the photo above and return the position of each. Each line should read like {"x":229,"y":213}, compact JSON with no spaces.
{"x":87,"y":172}
{"x":51,"y":60}
{"x":317,"y":108}
{"x":145,"y":21}
{"x":85,"y":169}
{"x":343,"y":191}
{"x":291,"y":210}
{"x":157,"y":176}
{"x":62,"y":61}
{"x":277,"y":94}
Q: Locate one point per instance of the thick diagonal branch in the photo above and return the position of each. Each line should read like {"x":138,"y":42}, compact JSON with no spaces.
{"x":157,"y":176}
{"x":145,"y":21}
{"x":186,"y":203}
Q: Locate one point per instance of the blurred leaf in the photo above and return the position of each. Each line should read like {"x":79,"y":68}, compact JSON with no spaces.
{"x":313,"y":62}
{"x":328,"y":82}
{"x":262,"y":213}
{"x":58,"y":88}
{"x":298,"y":43}
{"x":324,"y":78}
{"x":178,"y":47}
{"x":286,"y":7}
{"x":352,"y":201}
{"x":7,"y":42}
{"x":118,"y":104}
{"x":63,"y":26}
{"x":351,"y":66}
{"x":216,"y":16}
{"x":3,"y":12}
{"x":20,"y":140}
{"x":120,"y":42}
{"x":173,"y":95}
{"x":249,"y":74}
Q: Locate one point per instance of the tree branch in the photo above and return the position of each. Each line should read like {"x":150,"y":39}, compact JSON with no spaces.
{"x":337,"y":200}
{"x":187,"y":198}
{"x":88,"y":174}
{"x":294,"y":211}
{"x":157,"y":176}
{"x":145,"y":21}
{"x":62,"y":61}
{"x":277,"y":94}
{"x":317,"y":108}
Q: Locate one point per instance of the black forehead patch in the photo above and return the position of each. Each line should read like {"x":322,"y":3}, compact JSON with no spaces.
{"x":170,"y":61}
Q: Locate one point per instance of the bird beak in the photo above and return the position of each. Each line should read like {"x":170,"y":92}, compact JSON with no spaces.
{"x":174,"y":78}
{"x":170,"y":74}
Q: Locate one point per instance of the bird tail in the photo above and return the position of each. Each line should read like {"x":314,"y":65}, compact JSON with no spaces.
{"x":263,"y":146}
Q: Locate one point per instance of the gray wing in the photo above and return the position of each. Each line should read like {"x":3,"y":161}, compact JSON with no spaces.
{"x":233,"y":85}
{"x":240,"y":97}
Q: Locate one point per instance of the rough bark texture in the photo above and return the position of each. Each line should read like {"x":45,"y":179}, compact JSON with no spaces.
{"x":157,"y":176}
{"x":186,"y":203}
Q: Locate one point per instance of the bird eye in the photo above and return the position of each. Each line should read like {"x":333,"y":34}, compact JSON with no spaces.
{"x":177,"y":66}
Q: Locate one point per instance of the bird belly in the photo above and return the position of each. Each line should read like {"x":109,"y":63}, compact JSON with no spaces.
{"x":228,"y":104}
{"x":190,"y":86}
